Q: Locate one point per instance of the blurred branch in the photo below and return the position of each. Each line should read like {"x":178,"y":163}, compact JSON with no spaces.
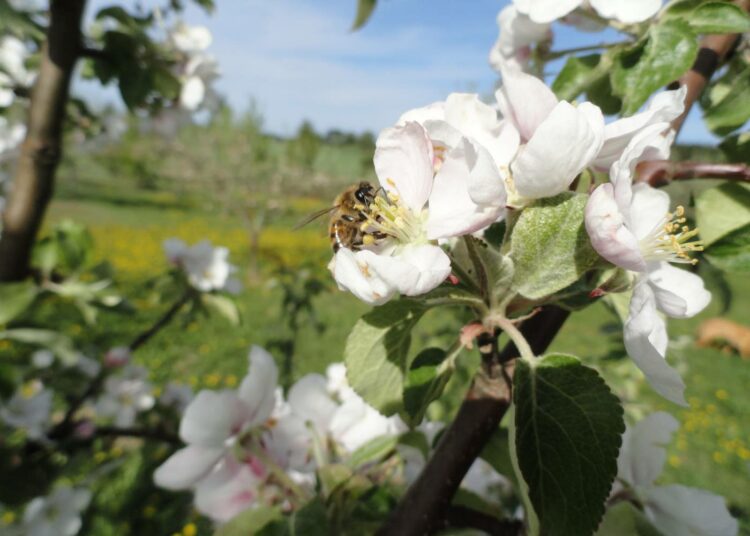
{"x":662,"y":172}
{"x":40,"y":153}
{"x":145,"y":433}
{"x":162,"y":322}
{"x":423,"y":508}
{"x":93,"y":53}
{"x":462,"y":517}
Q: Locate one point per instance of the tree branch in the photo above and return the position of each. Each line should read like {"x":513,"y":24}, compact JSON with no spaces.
{"x":40,"y":153}
{"x":662,"y":172}
{"x":165,"y":319}
{"x":462,"y":517}
{"x":423,"y":508}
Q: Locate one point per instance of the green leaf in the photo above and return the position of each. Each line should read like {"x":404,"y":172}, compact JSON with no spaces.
{"x":737,"y":147}
{"x":249,"y":522}
{"x":718,"y":18}
{"x":376,"y":353}
{"x":732,"y":253}
{"x":721,"y":210}
{"x":373,"y":451}
{"x":57,"y":342}
{"x":578,"y":74}
{"x":364,"y":11}
{"x":222,"y":305}
{"x":550,"y":248}
{"x":428,"y":375}
{"x":601,"y":94}
{"x":333,"y":475}
{"x":568,"y":433}
{"x":15,"y":298}
{"x":669,"y":51}
{"x":733,"y":110}
{"x":624,"y":519}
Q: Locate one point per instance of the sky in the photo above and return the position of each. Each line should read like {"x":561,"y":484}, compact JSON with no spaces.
{"x":298,"y":60}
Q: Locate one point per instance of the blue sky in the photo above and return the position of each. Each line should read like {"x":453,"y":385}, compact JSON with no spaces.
{"x":298,"y":60}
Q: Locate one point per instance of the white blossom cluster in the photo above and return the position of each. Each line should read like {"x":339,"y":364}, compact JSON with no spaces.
{"x":249,"y":446}
{"x":453,"y":168}
{"x":206,"y":267}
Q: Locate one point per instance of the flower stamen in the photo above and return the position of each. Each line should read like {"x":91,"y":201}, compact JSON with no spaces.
{"x":671,"y":240}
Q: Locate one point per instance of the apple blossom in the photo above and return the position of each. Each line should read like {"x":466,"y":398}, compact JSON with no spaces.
{"x":13,"y":70}
{"x":206,"y":266}
{"x":199,"y":72}
{"x":117,"y":357}
{"x":517,"y":33}
{"x":10,"y":137}
{"x":430,"y":194}
{"x":631,"y":227}
{"x":190,"y":39}
{"x":56,"y":514}
{"x":624,"y":11}
{"x":29,"y":409}
{"x":125,"y":395}
{"x":29,"y":5}
{"x":558,"y":139}
{"x":674,"y":510}
{"x":235,"y":440}
{"x":663,"y":108}
{"x":176,"y":395}
{"x":42,"y":358}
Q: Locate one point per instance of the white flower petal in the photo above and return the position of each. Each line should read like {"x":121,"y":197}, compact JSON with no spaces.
{"x":627,"y":11}
{"x":229,"y":490}
{"x":525,"y":101}
{"x":186,"y":467}
{"x":663,"y":108}
{"x":351,"y":272}
{"x":258,"y":388}
{"x":682,"y":511}
{"x":355,"y":423}
{"x":289,"y":441}
{"x":403,"y":163}
{"x":643,"y":453}
{"x":542,"y":11}
{"x":192,"y":93}
{"x":517,"y":33}
{"x":678,"y":293}
{"x":310,"y":401}
{"x":414,"y":271}
{"x":648,"y":208}
{"x":640,"y":147}
{"x":608,"y":233}
{"x":212,"y":417}
{"x":453,"y":212}
{"x":645,"y":337}
{"x":191,"y":38}
{"x":561,"y":147}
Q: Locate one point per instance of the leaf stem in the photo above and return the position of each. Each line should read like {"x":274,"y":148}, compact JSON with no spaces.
{"x":522,"y":345}
{"x":555,"y":54}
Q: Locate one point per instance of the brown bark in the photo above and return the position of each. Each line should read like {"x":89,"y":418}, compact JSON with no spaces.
{"x":423,"y":507}
{"x":41,"y":150}
{"x":662,"y":172}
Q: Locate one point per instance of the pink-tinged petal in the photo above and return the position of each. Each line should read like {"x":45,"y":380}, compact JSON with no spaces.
{"x":186,"y":467}
{"x":643,"y":451}
{"x":525,"y":101}
{"x":228,"y":490}
{"x":473,"y":118}
{"x":627,"y":11}
{"x":352,"y":272}
{"x":543,"y":11}
{"x":648,"y":209}
{"x":415,"y":270}
{"x":517,"y":33}
{"x":663,"y":108}
{"x":609,"y":235}
{"x":212,"y":417}
{"x":682,"y":511}
{"x":289,"y":442}
{"x":678,"y":293}
{"x":311,"y":402}
{"x":403,"y":163}
{"x":646,"y":340}
{"x":562,"y":146}
{"x":258,"y":388}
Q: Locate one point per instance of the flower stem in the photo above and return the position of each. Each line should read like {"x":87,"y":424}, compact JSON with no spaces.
{"x":554,"y":54}
{"x":279,"y":474}
{"x":522,"y":345}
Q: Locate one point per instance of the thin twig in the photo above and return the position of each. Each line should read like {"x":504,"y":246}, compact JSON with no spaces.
{"x":145,"y":433}
{"x":554,"y":54}
{"x":463,"y":517}
{"x":662,"y":172}
{"x":165,"y":319}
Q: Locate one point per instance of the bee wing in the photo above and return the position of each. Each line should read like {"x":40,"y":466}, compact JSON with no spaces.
{"x":314,"y":216}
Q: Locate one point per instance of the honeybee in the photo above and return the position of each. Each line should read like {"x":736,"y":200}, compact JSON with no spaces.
{"x":349,"y":216}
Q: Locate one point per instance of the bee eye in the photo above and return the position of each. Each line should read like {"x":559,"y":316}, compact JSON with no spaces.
{"x":361,"y":195}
